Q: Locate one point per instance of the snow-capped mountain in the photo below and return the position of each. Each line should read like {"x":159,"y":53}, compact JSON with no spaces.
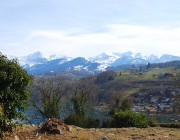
{"x":37,"y":64}
{"x":105,"y":58}
{"x":54,"y":56}
{"x":153,"y":59}
{"x":32,"y":59}
{"x":130,"y":58}
{"x":166,"y":58}
{"x":63,"y":65}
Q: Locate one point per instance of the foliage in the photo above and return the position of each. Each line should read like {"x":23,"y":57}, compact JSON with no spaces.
{"x":130,"y":119}
{"x":122,"y":116}
{"x":80,"y":103}
{"x":48,"y":103}
{"x":86,"y":122}
{"x":81,"y":107}
{"x":106,"y":76}
{"x":13,"y":92}
{"x":120,"y":106}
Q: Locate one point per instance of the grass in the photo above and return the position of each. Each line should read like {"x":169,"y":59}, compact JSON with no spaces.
{"x":147,"y":75}
{"x":87,"y":134}
{"x":145,"y":80}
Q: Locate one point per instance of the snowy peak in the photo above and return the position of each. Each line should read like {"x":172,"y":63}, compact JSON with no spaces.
{"x":37,"y":64}
{"x":153,"y":58}
{"x":129,"y":58}
{"x":167,"y":58}
{"x":140,"y":56}
{"x":34,"y":55}
{"x":32,"y":59}
{"x":105,"y":58}
{"x":54,"y":56}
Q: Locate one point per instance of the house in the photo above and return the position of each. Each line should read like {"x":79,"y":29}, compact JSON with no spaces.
{"x":152,"y":111}
{"x":165,"y":108}
{"x":168,"y":108}
{"x":154,"y":99}
{"x":165,"y":101}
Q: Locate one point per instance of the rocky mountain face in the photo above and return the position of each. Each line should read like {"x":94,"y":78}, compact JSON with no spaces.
{"x":36,"y":64}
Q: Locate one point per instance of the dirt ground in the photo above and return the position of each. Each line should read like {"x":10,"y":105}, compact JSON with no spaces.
{"x":76,"y":133}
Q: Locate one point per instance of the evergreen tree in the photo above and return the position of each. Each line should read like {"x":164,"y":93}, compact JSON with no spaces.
{"x":14,"y":94}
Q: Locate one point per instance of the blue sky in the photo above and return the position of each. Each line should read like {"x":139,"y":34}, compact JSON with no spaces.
{"x":89,"y":27}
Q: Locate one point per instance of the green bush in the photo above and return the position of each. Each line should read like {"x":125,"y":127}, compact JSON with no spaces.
{"x":153,"y":122}
{"x":6,"y":124}
{"x":130,"y":119}
{"x":85,"y":122}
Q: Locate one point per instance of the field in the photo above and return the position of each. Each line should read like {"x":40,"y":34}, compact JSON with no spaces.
{"x":76,"y":133}
{"x":144,"y":75}
{"x":149,"y":79}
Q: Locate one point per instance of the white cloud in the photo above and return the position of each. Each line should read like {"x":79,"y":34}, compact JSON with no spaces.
{"x":116,"y":38}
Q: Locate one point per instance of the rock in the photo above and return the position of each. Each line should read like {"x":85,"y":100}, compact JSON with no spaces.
{"x":16,"y":138}
{"x":70,"y":128}
{"x":54,"y":126}
{"x":104,"y":138}
{"x":152,"y":134}
{"x":57,"y":131}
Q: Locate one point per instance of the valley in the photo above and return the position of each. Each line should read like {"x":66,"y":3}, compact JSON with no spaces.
{"x":151,"y":91}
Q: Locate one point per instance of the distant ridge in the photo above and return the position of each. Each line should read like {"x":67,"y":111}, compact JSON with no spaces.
{"x":36,"y":64}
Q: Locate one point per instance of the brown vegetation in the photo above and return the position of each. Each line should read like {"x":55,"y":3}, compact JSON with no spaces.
{"x":76,"y":133}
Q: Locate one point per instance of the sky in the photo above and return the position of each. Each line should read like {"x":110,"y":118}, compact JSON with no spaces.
{"x":89,"y":27}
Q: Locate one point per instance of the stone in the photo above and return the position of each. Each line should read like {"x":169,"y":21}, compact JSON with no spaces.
{"x":54,"y":126}
{"x":57,"y":131}
{"x":104,"y":138}
{"x":16,"y":138}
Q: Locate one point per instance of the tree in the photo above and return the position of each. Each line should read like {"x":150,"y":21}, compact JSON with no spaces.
{"x":148,"y":66}
{"x":82,"y":102}
{"x":50,"y":91}
{"x":106,"y":76}
{"x":177,"y":79}
{"x":126,"y":105}
{"x":14,"y":94}
{"x":120,"y":105}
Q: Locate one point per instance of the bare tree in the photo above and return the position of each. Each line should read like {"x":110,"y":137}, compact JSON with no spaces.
{"x":83,"y":95}
{"x":50,"y":93}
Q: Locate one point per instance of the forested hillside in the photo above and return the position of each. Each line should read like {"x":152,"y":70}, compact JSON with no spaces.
{"x":152,"y":87}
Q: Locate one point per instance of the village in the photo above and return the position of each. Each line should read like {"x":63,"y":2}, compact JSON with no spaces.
{"x":158,"y":103}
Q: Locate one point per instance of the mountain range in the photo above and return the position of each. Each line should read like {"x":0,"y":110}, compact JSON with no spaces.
{"x":36,"y":64}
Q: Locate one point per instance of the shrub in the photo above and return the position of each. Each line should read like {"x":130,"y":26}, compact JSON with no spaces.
{"x":130,"y":119}
{"x":85,"y":122}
